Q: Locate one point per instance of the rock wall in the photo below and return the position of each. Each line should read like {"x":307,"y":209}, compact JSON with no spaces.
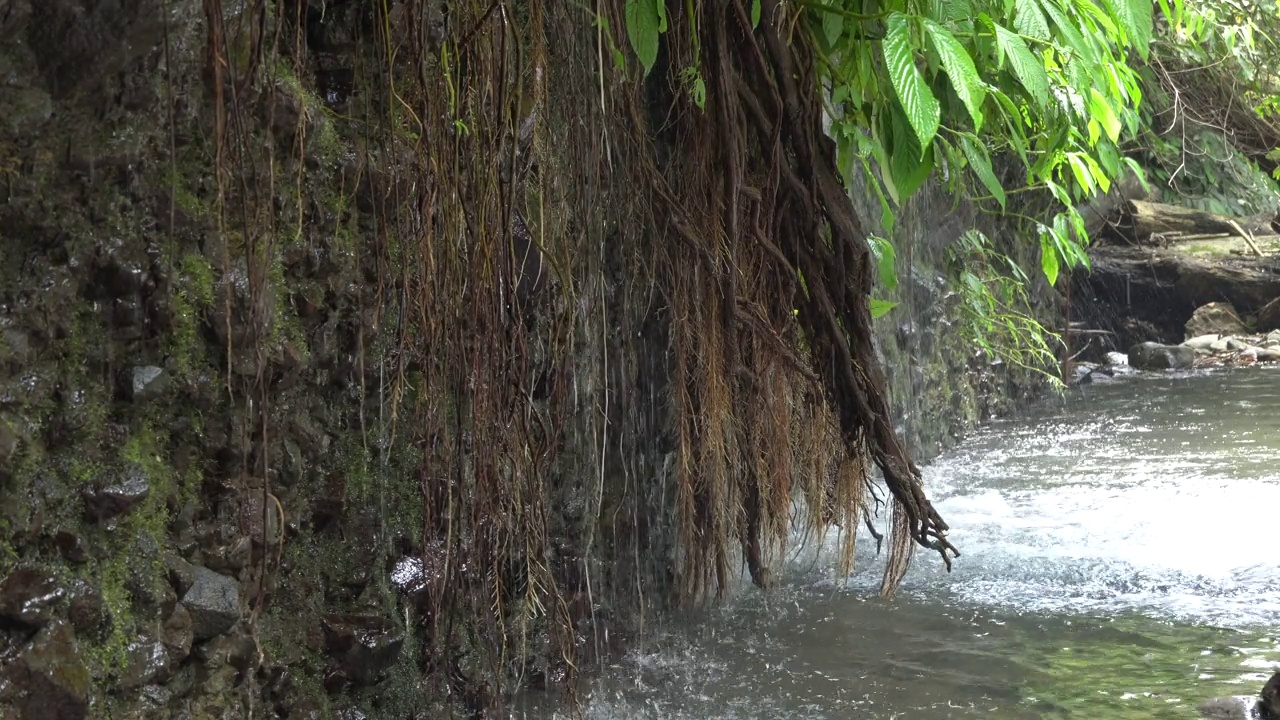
{"x":205,"y":510}
{"x":942,"y":383}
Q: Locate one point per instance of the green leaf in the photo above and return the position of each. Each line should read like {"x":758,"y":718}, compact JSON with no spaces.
{"x":880,"y":307}
{"x":1029,"y":19}
{"x":981,"y":164}
{"x":1100,"y":110}
{"x":1081,"y":170}
{"x":884,"y":254}
{"x":960,"y":70}
{"x":832,"y":27}
{"x":908,"y":166}
{"x":956,"y":10}
{"x":755,"y":13}
{"x":917,"y":100}
{"x":1083,"y":47}
{"x":1026,"y":67}
{"x":643,"y":22}
{"x":661,"y":7}
{"x":1135,"y":17}
{"x":1048,"y":257}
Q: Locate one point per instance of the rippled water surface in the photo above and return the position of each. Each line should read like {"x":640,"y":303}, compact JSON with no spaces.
{"x":1121,"y":559}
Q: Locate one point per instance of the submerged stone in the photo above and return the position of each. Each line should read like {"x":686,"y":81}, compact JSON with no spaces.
{"x":213,"y":601}
{"x":29,"y":596}
{"x":1235,"y":707}
{"x":1116,"y":359}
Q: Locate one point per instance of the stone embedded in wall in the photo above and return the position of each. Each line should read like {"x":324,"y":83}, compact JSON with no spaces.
{"x":213,"y":601}
{"x":144,"y":383}
{"x":146,"y":661}
{"x":29,"y":597}
{"x":48,"y":680}
{"x":365,"y":645}
{"x":178,"y":634}
{"x":123,"y":494}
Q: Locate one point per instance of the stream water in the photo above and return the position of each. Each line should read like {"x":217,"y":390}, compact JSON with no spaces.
{"x":1120,"y":560}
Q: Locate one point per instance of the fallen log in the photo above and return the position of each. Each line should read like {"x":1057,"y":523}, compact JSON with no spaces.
{"x":1141,"y":222}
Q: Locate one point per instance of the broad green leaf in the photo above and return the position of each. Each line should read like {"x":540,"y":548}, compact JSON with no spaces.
{"x":661,"y":7}
{"x":1026,"y":67}
{"x":832,"y":27}
{"x":981,"y":164}
{"x":755,"y":13}
{"x":1081,"y":171}
{"x":1104,"y":20}
{"x":881,"y":307}
{"x":1029,"y":19}
{"x":960,"y":70}
{"x":1099,"y":177}
{"x":1083,"y":47}
{"x":908,"y":166}
{"x":1137,"y":170}
{"x":1135,"y":17}
{"x":917,"y":99}
{"x":955,"y":10}
{"x":884,"y":254}
{"x":1048,"y":257}
{"x":642,"y":30}
{"x":1100,"y":110}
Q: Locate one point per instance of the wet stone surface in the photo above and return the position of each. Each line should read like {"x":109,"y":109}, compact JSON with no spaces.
{"x":365,"y":645}
{"x":29,"y":597}
{"x":48,"y":679}
{"x":147,"y":661}
{"x":213,"y":602}
{"x":178,"y":633}
{"x":145,"y":383}
{"x":130,"y":488}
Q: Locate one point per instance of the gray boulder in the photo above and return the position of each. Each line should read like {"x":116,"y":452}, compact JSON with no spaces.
{"x":1154,"y":356}
{"x":1203,"y":342}
{"x":1215,"y":318}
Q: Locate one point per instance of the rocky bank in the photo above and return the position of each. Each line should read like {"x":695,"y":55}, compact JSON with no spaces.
{"x":208,"y":508}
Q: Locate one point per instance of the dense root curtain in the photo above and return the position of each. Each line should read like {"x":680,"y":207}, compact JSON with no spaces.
{"x":768,"y":255}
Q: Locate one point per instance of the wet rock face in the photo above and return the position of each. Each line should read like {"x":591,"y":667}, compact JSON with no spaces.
{"x":29,"y":597}
{"x":119,"y":496}
{"x":144,"y":384}
{"x":1154,"y":356}
{"x":365,"y":645}
{"x":79,"y":42}
{"x":178,"y":633}
{"x":213,"y":602}
{"x":48,"y":679}
{"x":147,"y":661}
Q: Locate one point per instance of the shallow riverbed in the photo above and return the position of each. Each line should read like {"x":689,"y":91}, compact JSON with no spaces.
{"x":1120,"y":560}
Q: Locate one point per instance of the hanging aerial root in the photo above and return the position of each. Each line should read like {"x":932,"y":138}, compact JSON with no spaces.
{"x":756,"y":188}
